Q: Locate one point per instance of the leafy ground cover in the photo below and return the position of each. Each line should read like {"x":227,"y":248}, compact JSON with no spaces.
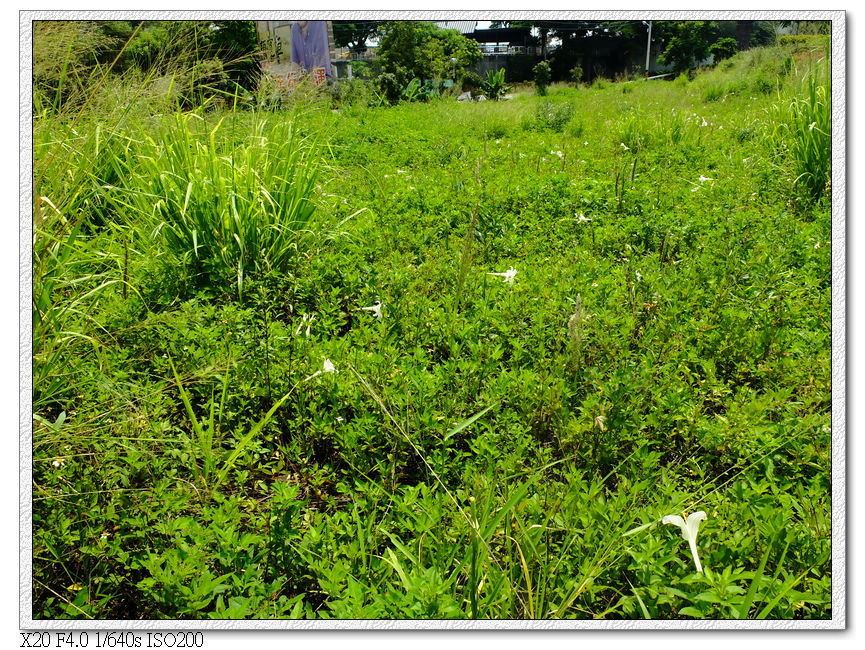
{"x":438,"y":359}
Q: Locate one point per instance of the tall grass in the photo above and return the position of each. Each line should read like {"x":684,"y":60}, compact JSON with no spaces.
{"x":220,"y":210}
{"x":805,"y":131}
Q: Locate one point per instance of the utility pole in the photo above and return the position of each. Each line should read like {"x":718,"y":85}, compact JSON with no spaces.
{"x":648,"y":49}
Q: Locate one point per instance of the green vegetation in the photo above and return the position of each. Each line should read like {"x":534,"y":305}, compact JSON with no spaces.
{"x":494,"y":87}
{"x":542,"y":77}
{"x":318,"y":357}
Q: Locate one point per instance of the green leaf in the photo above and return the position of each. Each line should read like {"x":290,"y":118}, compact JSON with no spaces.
{"x":638,"y":529}
{"x":467,"y":423}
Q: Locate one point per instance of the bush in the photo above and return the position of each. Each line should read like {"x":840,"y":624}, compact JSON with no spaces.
{"x":802,"y":41}
{"x":471,"y":81}
{"x":553,"y":116}
{"x":390,"y":88}
{"x":723,"y":48}
{"x":542,"y":77}
{"x":577,"y":74}
{"x":360,"y":69}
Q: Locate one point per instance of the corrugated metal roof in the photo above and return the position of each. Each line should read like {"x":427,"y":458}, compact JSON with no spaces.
{"x":462,"y":26}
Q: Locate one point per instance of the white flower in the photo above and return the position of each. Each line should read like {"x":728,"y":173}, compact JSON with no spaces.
{"x":586,"y":143}
{"x":105,"y":536}
{"x":639,"y":277}
{"x":307,"y":318}
{"x":694,"y":189}
{"x":507,"y":275}
{"x":703,"y":179}
{"x":624,"y":146}
{"x":581,"y":217}
{"x":399,"y":171}
{"x":704,"y":122}
{"x":375,"y":309}
{"x":58,"y":462}
{"x":328,"y":368}
{"x":689,"y":531}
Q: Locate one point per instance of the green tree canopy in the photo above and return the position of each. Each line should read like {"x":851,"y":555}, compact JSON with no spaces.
{"x":414,"y":48}
{"x":689,"y":44}
{"x":354,"y":35}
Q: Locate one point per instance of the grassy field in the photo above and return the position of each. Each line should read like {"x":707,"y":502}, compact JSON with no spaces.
{"x":438,"y":360}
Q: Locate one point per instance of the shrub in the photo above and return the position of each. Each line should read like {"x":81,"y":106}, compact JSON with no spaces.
{"x":360,"y":69}
{"x":804,"y":41}
{"x":390,"y":87}
{"x":553,"y":116}
{"x":763,"y":84}
{"x":723,"y":48}
{"x":577,"y":74}
{"x":471,"y":81}
{"x":542,"y":77}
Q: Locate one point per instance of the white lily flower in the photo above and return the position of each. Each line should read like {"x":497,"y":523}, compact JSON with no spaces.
{"x":307,"y":318}
{"x":507,"y":275}
{"x":375,"y":309}
{"x":328,"y":368}
{"x":689,"y":531}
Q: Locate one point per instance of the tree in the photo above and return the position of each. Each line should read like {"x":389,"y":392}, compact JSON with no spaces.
{"x":724,"y":48}
{"x":410,"y":49}
{"x":689,"y":44}
{"x":354,"y":35}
